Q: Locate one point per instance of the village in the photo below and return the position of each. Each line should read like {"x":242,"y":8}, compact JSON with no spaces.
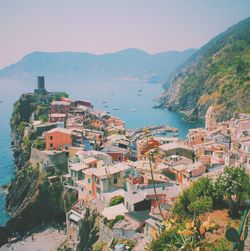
{"x":130,"y":177}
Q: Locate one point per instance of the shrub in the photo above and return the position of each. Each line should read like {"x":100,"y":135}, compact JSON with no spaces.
{"x":116,"y":200}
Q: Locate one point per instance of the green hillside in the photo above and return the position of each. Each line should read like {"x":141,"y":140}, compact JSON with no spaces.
{"x":218,"y":73}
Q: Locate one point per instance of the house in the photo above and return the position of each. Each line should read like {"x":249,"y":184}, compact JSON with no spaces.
{"x":118,"y":154}
{"x":196,"y":136}
{"x":109,"y":178}
{"x":82,"y":103}
{"x":58,"y":138}
{"x":87,"y":193}
{"x":144,"y":196}
{"x":177,"y":148}
{"x":210,"y":153}
{"x":49,"y":160}
{"x":57,"y":117}
{"x":41,"y":128}
{"x":60,"y":107}
{"x":190,"y":172}
{"x":74,"y":219}
{"x":80,"y":156}
{"x":135,"y":201}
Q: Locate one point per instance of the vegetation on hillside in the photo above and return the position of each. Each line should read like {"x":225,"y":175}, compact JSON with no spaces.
{"x":190,"y":226}
{"x":218,"y":74}
{"x":23,"y":135}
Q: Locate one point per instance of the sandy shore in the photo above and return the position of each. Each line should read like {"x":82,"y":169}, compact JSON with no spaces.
{"x":47,"y":240}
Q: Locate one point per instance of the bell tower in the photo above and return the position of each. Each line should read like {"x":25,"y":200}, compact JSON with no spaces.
{"x":210,"y":118}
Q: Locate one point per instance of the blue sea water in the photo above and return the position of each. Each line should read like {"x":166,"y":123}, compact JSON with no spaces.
{"x":131,"y":101}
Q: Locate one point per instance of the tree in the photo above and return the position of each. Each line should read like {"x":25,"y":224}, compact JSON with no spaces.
{"x":201,"y":205}
{"x":197,"y":199}
{"x":234,"y":185}
{"x":39,"y":144}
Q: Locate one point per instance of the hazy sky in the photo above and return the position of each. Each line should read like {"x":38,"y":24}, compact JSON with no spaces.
{"x":101,"y":26}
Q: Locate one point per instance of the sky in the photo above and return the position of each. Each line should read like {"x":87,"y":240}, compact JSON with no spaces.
{"x":104,"y":26}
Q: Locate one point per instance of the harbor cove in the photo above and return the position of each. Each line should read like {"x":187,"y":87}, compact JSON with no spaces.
{"x":132,"y":101}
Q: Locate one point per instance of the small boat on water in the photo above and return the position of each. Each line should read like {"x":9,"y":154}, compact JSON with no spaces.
{"x":104,"y":102}
{"x":132,"y":110}
{"x":106,"y":106}
{"x":116,"y":108}
{"x":140,"y":90}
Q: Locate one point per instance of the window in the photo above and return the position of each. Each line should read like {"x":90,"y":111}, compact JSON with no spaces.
{"x":89,"y":192}
{"x":51,"y":137}
{"x":115,"y":181}
{"x":89,"y":180}
{"x":51,"y":145}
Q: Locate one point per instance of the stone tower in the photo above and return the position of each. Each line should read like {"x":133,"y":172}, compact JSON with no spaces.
{"x":210,"y":118}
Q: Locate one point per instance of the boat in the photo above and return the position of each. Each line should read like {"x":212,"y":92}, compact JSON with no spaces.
{"x":140,"y":90}
{"x":106,"y":106}
{"x":132,"y":110}
{"x":116,"y":108}
{"x":104,"y":102}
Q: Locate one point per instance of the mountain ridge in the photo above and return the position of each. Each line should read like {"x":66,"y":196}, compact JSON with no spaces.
{"x":133,"y":63}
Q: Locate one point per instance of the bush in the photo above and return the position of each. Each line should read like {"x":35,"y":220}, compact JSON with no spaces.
{"x":116,"y":200}
{"x":39,"y":144}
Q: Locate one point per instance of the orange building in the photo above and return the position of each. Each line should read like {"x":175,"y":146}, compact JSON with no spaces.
{"x":57,"y":138}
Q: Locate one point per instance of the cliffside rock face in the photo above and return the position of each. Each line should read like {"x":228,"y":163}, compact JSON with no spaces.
{"x":32,"y":199}
{"x":218,"y":74}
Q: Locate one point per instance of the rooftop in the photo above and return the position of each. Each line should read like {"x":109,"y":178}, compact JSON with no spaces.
{"x":114,"y":149}
{"x":57,"y":115}
{"x":60,"y":103}
{"x":77,"y":167}
{"x":139,"y":216}
{"x":60,"y":130}
{"x":194,"y":165}
{"x":112,"y":212}
{"x":134,"y":198}
{"x":170,"y":146}
{"x":109,"y":170}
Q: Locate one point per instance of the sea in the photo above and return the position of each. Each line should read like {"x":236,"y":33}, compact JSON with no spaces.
{"x":132,"y":101}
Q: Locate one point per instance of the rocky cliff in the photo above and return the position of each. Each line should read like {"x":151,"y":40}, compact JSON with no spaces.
{"x":32,"y":199}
